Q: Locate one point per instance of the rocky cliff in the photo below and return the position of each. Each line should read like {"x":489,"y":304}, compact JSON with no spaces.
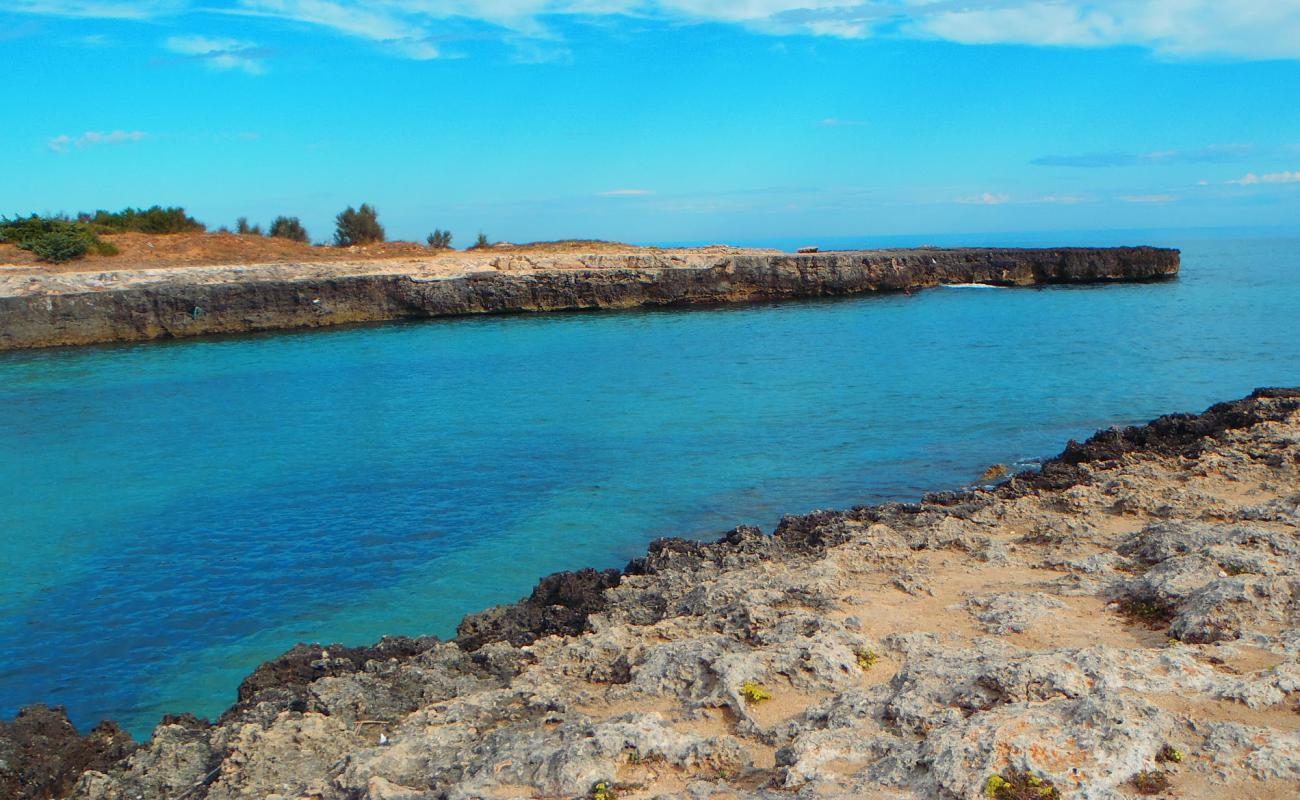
{"x":83,"y":308}
{"x":1121,"y":623}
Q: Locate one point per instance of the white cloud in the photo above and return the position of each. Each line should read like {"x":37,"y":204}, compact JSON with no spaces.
{"x":985,"y":199}
{"x":1251,"y":179}
{"x":625,"y":193}
{"x":1149,"y":198}
{"x":221,"y":54}
{"x":63,"y":143}
{"x":1248,"y":29}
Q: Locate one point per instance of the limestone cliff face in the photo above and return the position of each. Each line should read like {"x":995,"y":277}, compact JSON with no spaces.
{"x":140,"y":306}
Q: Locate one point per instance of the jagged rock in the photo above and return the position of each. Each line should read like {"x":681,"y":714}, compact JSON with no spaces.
{"x":1011,"y":612}
{"x":909,"y":651}
{"x":559,"y":605}
{"x":42,"y":755}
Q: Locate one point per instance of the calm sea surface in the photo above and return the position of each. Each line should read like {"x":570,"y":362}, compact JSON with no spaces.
{"x":173,"y":514}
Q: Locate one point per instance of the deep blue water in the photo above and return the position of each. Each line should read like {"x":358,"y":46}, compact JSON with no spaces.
{"x":172,"y":514}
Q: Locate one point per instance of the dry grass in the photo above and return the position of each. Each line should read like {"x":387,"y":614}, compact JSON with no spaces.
{"x":150,"y":251}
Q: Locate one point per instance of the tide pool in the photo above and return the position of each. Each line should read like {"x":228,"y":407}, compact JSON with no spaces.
{"x":172,"y":514}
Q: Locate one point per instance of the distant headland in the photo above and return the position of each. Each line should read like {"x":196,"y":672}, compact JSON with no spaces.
{"x":162,"y":286}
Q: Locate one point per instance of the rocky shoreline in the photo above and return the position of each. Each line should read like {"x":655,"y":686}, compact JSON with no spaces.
{"x":74,"y":308}
{"x":1122,"y":623}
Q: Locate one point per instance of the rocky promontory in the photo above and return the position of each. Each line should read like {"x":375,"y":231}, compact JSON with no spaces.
{"x":1121,"y":623}
{"x":47,"y":308}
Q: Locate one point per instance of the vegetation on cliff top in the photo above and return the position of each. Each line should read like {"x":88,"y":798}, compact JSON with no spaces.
{"x":56,"y":238}
{"x":289,"y":228}
{"x":439,"y":240}
{"x":356,"y":226}
{"x":147,"y":220}
{"x":59,"y":238}
{"x":52,"y":239}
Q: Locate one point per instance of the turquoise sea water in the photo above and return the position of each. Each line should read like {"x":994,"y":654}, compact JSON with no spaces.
{"x":172,"y":514}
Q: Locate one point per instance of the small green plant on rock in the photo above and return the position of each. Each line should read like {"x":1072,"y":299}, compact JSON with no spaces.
{"x":755,"y":693}
{"x":603,"y":790}
{"x":1150,"y":782}
{"x":439,"y":240}
{"x":1016,"y":785}
{"x":866,"y":658}
{"x":1170,"y":755}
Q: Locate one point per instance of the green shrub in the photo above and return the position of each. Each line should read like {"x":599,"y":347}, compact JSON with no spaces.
{"x":241,"y":226}
{"x":358,"y":226}
{"x":148,"y":220}
{"x":22,"y":231}
{"x":289,"y":228}
{"x":53,"y":239}
{"x":59,"y":246}
{"x":439,"y":239}
{"x":481,"y":242}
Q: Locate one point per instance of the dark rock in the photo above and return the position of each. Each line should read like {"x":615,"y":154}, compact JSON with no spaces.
{"x":559,"y":605}
{"x":283,"y":681}
{"x":42,"y":755}
{"x":810,"y":533}
{"x":1185,"y":435}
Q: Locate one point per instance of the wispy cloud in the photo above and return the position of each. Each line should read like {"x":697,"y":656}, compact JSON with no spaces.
{"x":1087,"y":160}
{"x":1251,"y":29}
{"x":220,"y":54}
{"x":1149,"y":198}
{"x":404,"y":27}
{"x":1245,"y":29}
{"x":63,"y":142}
{"x":836,"y":122}
{"x":1252,"y":179}
{"x":1065,"y":199}
{"x":985,"y":199}
{"x":98,"y":9}
{"x":1211,"y":154}
{"x":625,"y":193}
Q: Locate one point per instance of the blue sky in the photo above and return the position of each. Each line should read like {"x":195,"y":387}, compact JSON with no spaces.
{"x":674,"y":120}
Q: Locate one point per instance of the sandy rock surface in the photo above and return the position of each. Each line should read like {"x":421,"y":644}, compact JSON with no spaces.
{"x":1128,"y":614}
